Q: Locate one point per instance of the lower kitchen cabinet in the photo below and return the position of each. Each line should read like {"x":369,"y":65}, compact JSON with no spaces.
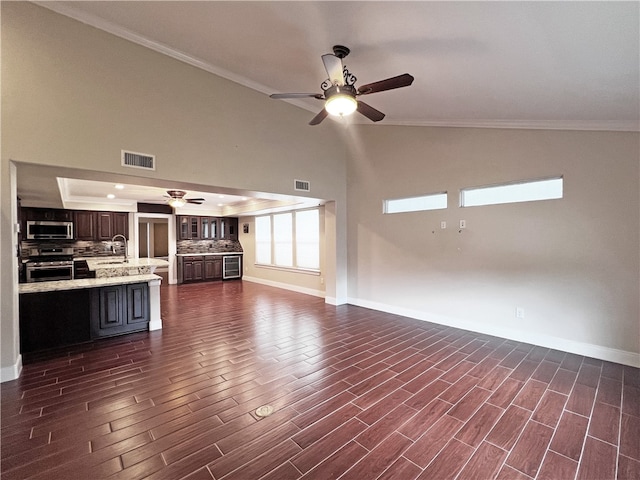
{"x":53,"y":319}
{"x":119,"y":309}
{"x":198,"y":268}
{"x":191,"y":269}
{"x":212,"y":268}
{"x":66,"y":317}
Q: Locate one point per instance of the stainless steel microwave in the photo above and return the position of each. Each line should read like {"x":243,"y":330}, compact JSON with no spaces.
{"x":49,"y":230}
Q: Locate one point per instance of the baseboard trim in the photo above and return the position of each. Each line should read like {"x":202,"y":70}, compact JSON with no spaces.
{"x":155,"y":325}
{"x":12,"y":372}
{"x":571,"y":346}
{"x":285,"y":286}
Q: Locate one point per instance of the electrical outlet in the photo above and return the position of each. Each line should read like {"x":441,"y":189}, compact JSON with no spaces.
{"x":321,"y":280}
{"x":443,"y":224}
{"x":519,"y":312}
{"x":463,"y":224}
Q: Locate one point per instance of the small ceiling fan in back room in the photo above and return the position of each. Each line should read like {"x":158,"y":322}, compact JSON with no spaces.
{"x":340,"y":93}
{"x":177,"y":198}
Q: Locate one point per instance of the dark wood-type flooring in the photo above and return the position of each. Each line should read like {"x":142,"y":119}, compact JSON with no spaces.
{"x":358,"y":394}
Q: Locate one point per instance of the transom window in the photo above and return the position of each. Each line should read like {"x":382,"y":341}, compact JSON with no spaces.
{"x":523,"y":191}
{"x":431,"y":201}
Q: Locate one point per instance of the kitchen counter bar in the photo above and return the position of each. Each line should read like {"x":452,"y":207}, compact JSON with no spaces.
{"x":154,"y":281}
{"x":58,"y":285}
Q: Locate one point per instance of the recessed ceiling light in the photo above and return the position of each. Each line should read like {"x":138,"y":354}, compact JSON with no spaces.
{"x":111,"y":196}
{"x":243,"y":198}
{"x":119,"y":186}
{"x":220,"y":204}
{"x":220,"y":196}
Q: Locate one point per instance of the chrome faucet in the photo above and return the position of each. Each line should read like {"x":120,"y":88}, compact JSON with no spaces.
{"x":113,"y":248}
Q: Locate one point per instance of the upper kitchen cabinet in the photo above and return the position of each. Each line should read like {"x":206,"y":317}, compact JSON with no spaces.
{"x":229,"y":228}
{"x":47,"y":214}
{"x":208,"y":228}
{"x":188,"y":227}
{"x":110,"y":224}
{"x":85,"y":225}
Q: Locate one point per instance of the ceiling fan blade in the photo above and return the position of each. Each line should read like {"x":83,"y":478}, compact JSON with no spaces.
{"x":370,"y":112}
{"x":333,"y":66}
{"x":296,"y":95}
{"x":196,"y":201}
{"x":400,"y":81}
{"x":319,"y":117}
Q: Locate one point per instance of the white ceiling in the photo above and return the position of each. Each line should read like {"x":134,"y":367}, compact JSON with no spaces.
{"x":559,"y":65}
{"x":533,"y":64}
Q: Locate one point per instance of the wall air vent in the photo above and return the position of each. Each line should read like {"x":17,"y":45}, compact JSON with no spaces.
{"x":301,"y":186}
{"x":138,"y":160}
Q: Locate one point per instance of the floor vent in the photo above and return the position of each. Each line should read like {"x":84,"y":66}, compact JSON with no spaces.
{"x":264,"y":411}
{"x":138,"y":160}
{"x":301,"y":186}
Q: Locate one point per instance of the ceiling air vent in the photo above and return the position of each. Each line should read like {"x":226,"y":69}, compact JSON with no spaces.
{"x":138,"y":160}
{"x":301,"y":186}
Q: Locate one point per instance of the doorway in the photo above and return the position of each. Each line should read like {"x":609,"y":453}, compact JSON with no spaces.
{"x":157,"y":239}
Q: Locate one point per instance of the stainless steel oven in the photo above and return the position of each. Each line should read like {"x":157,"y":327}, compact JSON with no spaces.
{"x":50,"y":263}
{"x":49,"y":271}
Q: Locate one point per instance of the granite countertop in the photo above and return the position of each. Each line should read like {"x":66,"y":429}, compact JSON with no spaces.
{"x":58,"y":285}
{"x":116,"y":262}
{"x":197,"y":254}
{"x":114,"y":266}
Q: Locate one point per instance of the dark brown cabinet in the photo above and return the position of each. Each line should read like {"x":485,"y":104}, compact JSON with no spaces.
{"x":184,"y":227}
{"x":188,"y":227}
{"x":99,"y":226}
{"x":85,"y":225}
{"x":198,"y":268}
{"x":112,"y":223}
{"x":212,"y":268}
{"x":206,"y":228}
{"x":191,"y":269}
{"x":119,"y":309}
{"x":47,"y":214}
{"x":229,"y":228}
{"x":81,"y":270}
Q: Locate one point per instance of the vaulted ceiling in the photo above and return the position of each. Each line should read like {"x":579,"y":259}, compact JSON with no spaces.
{"x":507,"y":64}
{"x":558,"y":65}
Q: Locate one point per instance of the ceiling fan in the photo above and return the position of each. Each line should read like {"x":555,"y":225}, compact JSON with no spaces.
{"x":340,"y":92}
{"x":177,"y":198}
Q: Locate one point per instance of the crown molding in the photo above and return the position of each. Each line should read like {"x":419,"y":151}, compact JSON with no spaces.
{"x":582,"y":125}
{"x":125,"y":34}
{"x":101,"y":24}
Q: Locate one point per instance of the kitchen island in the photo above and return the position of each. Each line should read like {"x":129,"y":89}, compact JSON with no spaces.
{"x":123,"y":298}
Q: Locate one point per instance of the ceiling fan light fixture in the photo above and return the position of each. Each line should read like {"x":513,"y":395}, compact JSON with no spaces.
{"x":341,"y":105}
{"x":177,"y":202}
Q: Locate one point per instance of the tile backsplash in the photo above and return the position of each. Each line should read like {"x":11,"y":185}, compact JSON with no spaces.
{"x":103,"y":249}
{"x":211,"y":246}
{"x":80,"y":248}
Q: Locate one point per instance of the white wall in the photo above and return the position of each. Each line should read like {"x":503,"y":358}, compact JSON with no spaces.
{"x":76,"y":96}
{"x":572,"y":264}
